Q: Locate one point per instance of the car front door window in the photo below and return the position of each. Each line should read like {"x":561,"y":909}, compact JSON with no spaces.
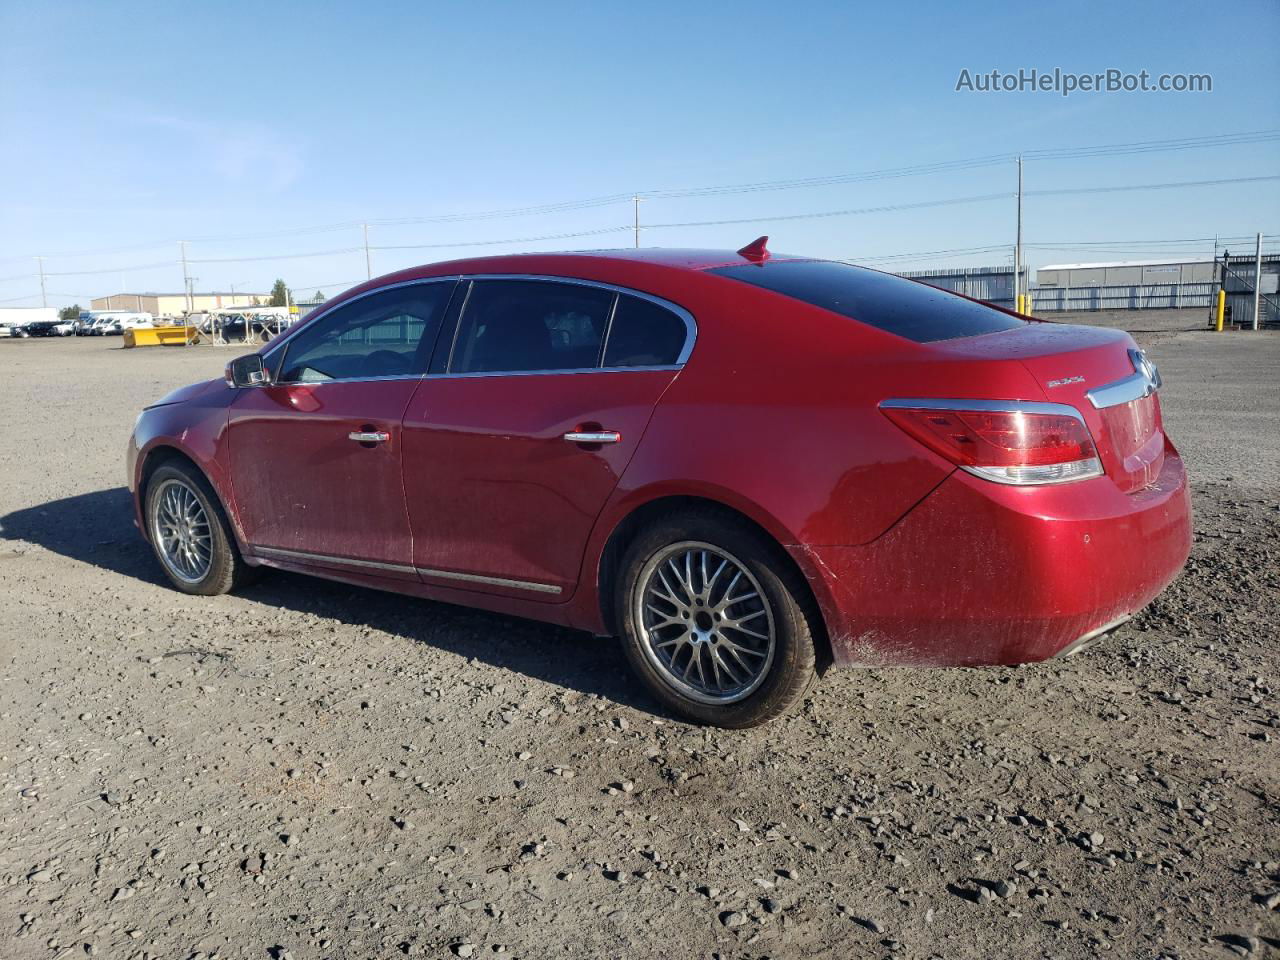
{"x":387,"y":334}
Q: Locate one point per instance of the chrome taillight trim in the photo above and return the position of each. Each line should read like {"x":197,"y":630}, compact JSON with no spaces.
{"x":990,"y":406}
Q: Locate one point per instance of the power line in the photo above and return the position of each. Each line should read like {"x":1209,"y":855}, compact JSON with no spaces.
{"x":126,"y":269}
{"x":819,"y":214}
{"x":886,"y":208}
{"x":1155,"y":146}
{"x":927,"y":254}
{"x":486,"y":243}
{"x":1063,"y":153}
{"x":1149,"y":186}
{"x":1116,"y":243}
{"x":281,"y":256}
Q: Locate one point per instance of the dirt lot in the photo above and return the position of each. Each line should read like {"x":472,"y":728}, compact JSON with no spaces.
{"x":310,"y":770}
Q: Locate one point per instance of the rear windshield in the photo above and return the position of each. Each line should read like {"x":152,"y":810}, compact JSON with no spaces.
{"x":912,"y":310}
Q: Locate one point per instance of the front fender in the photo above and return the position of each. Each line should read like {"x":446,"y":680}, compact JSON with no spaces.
{"x":195,"y":430}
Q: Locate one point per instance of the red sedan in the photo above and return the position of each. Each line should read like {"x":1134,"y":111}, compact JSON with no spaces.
{"x":749,"y":467}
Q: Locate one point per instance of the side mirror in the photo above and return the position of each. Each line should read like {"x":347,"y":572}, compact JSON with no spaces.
{"x":246,"y":372}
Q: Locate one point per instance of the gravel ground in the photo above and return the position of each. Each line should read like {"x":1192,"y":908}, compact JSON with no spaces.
{"x":310,"y":770}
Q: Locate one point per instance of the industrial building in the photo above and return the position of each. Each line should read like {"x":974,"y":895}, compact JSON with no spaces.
{"x":176,"y":304}
{"x":1126,"y":273}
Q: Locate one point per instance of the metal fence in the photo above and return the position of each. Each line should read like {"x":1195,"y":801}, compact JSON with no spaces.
{"x":1238,"y":280}
{"x":1138,"y":296}
{"x":995,"y":285}
{"x":992,"y":284}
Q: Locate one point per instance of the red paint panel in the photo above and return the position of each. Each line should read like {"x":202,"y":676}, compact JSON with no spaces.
{"x":301,"y":484}
{"x":493,"y":488}
{"x":981,"y":573}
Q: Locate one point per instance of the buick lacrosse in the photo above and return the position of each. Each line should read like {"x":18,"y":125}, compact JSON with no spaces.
{"x":749,"y":467}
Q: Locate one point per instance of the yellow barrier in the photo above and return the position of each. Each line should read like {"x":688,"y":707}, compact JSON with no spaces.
{"x":1222,"y":309}
{"x":159,"y":336}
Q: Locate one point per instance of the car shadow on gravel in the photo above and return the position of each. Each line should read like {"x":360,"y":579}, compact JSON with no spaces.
{"x":97,"y":529}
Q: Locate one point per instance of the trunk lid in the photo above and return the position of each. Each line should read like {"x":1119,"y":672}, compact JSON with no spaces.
{"x":1070,"y":363}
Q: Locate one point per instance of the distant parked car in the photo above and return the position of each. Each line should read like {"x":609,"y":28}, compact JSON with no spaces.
{"x":746,"y":466}
{"x":43,"y":328}
{"x":14,"y":330}
{"x":64,"y":328}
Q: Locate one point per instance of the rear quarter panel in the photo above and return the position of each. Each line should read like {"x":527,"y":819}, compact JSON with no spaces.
{"x":776,"y":415}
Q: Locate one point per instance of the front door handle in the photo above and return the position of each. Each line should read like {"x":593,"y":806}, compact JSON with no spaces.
{"x":593,"y":436}
{"x":370,"y":436}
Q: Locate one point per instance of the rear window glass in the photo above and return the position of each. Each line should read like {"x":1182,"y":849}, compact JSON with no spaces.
{"x":893,"y":304}
{"x":643,"y":334}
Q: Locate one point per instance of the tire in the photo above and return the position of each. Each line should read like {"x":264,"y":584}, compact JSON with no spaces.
{"x":738,"y":679}
{"x":180,"y":485}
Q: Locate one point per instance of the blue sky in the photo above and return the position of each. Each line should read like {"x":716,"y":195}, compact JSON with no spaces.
{"x":129,"y":126}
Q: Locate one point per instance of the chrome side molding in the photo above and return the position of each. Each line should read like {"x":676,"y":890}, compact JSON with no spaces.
{"x":1144,"y":381}
{"x":280,"y":553}
{"x":491,"y":581}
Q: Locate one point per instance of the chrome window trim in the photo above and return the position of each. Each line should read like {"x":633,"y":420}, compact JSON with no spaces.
{"x":992,"y":406}
{"x":281,"y":344}
{"x":546,"y":373}
{"x":281,"y":553}
{"x":690,"y":324}
{"x":1142,"y":383}
{"x":321,"y":383}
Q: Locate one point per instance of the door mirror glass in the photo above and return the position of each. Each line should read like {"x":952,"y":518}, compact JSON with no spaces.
{"x":246,"y":371}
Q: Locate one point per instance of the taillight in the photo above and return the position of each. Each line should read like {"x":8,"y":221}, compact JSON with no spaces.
{"x":1008,"y":442}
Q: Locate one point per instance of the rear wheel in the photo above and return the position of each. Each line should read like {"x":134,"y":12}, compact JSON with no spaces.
{"x":715,"y":622}
{"x":190,"y":533}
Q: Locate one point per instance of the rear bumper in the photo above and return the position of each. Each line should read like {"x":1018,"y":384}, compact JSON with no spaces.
{"x":980,"y":574}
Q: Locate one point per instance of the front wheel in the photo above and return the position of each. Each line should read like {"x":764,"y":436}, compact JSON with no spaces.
{"x":715,"y":622}
{"x":190,"y":533}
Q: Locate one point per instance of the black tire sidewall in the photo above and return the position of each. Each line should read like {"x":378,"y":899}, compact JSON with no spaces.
{"x":793,"y":667}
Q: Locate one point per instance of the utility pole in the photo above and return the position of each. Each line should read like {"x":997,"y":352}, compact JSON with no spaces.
{"x":186,"y":277}
{"x":1257,"y":281}
{"x":368,"y":264}
{"x":44,"y":300}
{"x":636,"y":201}
{"x":1017,"y":250}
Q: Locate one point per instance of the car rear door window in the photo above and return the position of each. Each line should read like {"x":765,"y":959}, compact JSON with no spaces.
{"x":387,"y":334}
{"x":644,"y":334}
{"x":527,"y":326}
{"x":893,"y":304}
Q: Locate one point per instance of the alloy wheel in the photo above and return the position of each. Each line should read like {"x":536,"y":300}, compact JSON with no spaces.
{"x":181,"y":532}
{"x":705,"y":623}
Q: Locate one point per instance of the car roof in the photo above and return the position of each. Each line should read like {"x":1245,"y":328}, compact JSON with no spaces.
{"x":681,"y":258}
{"x":641,"y":266}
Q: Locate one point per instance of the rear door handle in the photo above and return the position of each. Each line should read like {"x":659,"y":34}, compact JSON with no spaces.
{"x":371,"y":436}
{"x":593,"y":436}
